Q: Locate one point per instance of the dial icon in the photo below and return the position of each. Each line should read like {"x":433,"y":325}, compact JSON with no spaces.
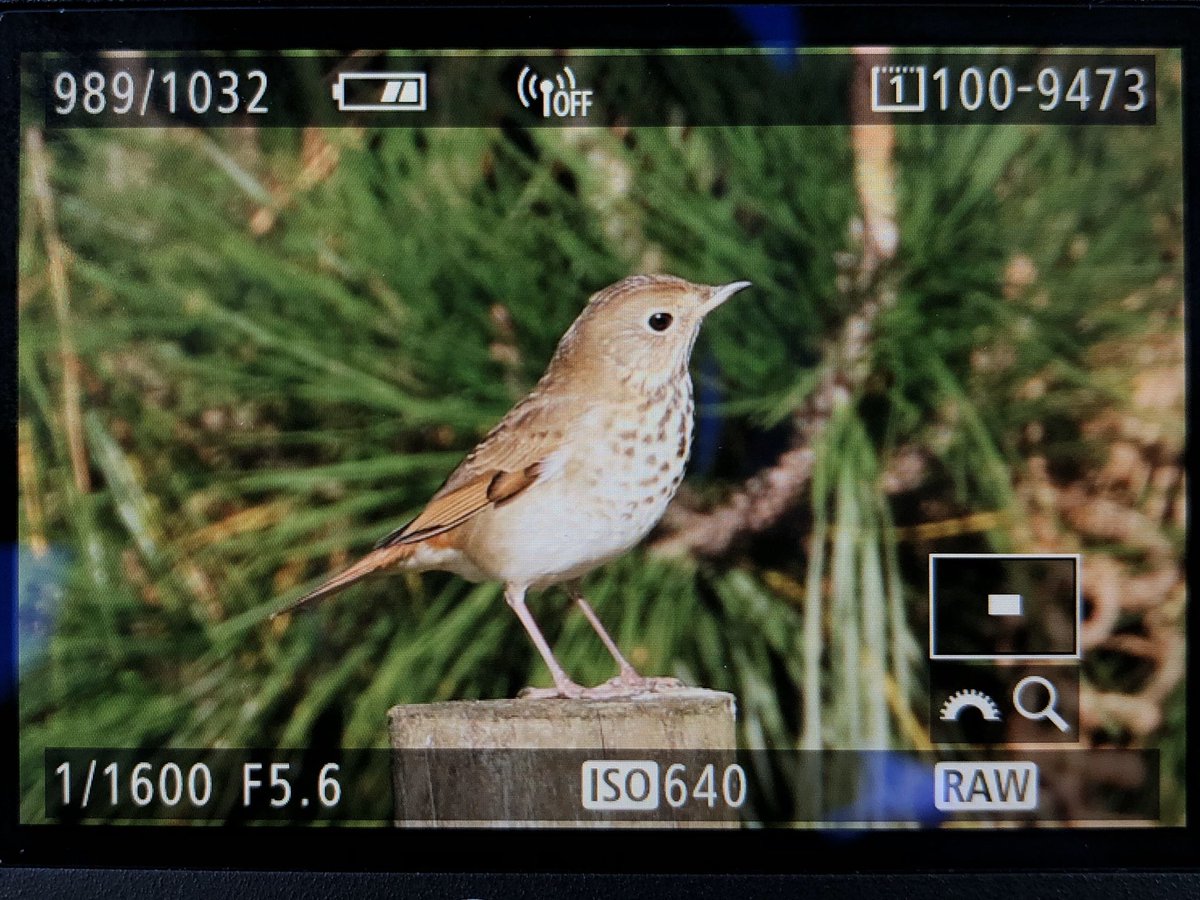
{"x":969,"y":698}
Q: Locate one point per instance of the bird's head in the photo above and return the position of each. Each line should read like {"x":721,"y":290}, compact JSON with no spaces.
{"x":641,"y":330}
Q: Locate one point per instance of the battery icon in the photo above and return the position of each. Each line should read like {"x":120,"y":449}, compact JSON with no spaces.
{"x":380,"y":91}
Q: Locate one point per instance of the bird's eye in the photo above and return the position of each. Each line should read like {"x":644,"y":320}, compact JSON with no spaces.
{"x":660,"y":321}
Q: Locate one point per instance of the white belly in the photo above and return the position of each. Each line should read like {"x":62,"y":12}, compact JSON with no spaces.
{"x":605,"y":499}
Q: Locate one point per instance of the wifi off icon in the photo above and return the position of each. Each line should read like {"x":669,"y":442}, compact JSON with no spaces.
{"x":559,"y":97}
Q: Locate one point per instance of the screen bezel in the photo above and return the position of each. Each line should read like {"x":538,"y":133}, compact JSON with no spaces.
{"x":494,"y":850}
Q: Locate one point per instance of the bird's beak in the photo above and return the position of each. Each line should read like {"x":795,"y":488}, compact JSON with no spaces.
{"x":720,"y":294}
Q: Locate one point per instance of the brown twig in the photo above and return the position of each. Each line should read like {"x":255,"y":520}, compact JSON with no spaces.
{"x":56,"y":264}
{"x":319,"y":159}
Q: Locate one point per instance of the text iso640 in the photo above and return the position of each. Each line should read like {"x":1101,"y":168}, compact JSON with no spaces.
{"x":631,"y":785}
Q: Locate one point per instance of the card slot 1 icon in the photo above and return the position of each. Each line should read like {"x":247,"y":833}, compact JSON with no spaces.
{"x":898,"y":89}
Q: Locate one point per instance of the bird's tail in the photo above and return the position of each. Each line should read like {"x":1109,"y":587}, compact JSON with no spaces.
{"x":383,"y":558}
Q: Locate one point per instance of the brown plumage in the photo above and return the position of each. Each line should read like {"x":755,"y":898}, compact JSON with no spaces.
{"x":577,"y":472}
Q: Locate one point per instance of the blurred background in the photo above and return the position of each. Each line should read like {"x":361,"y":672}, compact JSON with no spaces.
{"x":245,"y":355}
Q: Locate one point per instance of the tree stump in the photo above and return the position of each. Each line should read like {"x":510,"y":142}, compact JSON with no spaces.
{"x":513,"y":763}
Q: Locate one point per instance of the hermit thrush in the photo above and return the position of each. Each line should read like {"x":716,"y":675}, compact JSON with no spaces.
{"x":577,"y":472}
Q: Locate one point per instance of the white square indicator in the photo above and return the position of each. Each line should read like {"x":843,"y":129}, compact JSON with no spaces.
{"x":1004,"y":604}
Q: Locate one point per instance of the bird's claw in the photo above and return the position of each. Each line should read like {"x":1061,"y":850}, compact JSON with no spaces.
{"x":623,"y":685}
{"x":569,"y":691}
{"x":633,"y":683}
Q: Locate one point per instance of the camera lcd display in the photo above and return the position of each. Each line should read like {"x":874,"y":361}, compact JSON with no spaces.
{"x":747,"y":437}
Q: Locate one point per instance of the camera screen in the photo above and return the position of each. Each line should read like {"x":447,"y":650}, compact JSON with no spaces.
{"x":745,"y":437}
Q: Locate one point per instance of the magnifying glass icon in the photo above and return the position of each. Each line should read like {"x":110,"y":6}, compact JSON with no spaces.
{"x":1048,"y":711}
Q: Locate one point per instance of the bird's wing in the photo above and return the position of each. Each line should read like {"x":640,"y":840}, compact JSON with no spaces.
{"x":527,"y":446}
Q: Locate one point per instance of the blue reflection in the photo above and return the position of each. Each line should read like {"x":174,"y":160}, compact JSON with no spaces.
{"x":41,"y":586}
{"x":774,"y":26}
{"x":892,"y":788}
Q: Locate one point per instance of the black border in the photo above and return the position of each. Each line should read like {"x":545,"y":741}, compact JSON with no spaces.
{"x":245,"y":25}
{"x":1039,"y":659}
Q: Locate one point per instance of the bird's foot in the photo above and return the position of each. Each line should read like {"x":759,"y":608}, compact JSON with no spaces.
{"x":567,"y":690}
{"x":631,"y":683}
{"x":622,"y":688}
{"x":627,"y":684}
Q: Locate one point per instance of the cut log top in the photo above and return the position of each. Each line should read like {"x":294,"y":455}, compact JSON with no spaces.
{"x":688,"y":719}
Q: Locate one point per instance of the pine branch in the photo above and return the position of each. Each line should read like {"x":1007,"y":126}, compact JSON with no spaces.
{"x":770,"y":494}
{"x":56,"y":265}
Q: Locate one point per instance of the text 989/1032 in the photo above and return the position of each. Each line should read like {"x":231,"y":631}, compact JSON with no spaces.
{"x":146,"y":92}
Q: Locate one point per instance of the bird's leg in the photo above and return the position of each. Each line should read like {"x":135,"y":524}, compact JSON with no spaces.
{"x":628,"y":672}
{"x":629,"y":677}
{"x":563,"y":685}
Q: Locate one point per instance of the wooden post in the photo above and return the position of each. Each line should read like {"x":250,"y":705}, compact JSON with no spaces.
{"x":523,"y":762}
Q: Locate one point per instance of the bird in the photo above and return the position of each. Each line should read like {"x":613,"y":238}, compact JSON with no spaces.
{"x":575,"y":474}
